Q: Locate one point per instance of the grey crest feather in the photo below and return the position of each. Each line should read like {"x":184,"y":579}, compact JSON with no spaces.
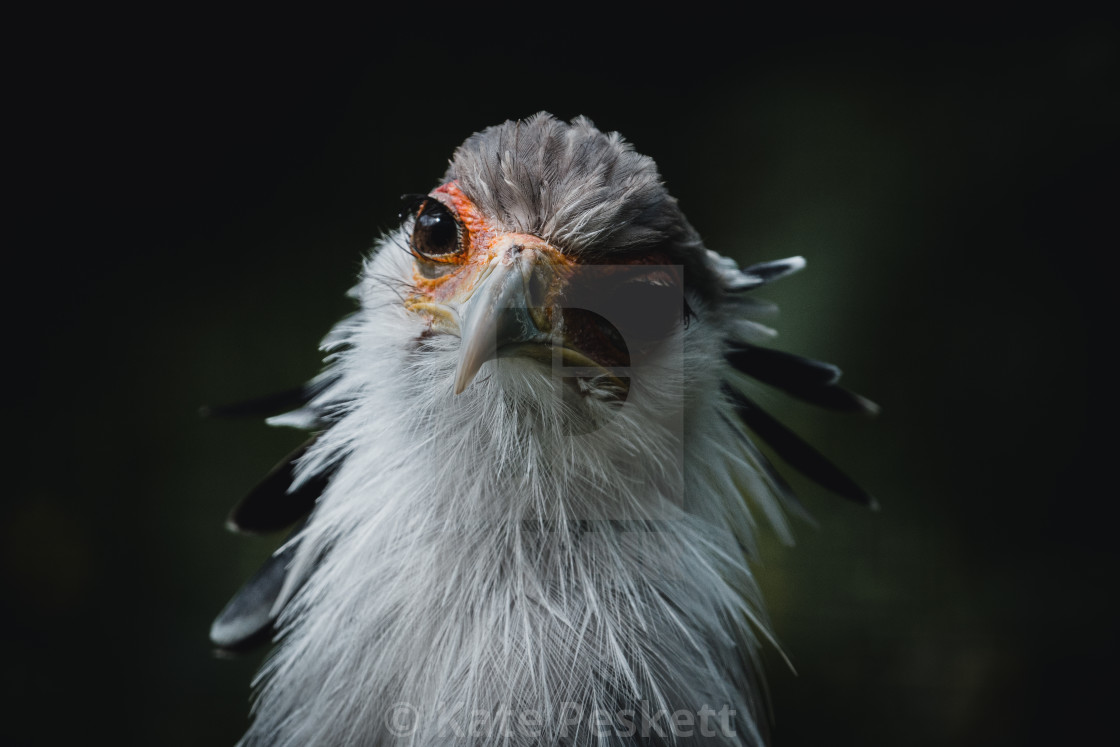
{"x":570,"y":184}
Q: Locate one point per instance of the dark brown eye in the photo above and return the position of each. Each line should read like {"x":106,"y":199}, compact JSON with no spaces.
{"x":437,"y":234}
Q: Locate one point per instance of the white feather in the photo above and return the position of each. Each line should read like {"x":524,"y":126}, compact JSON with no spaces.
{"x":445,"y":567}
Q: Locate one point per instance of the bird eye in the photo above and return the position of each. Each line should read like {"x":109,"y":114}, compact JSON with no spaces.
{"x":436,"y":235}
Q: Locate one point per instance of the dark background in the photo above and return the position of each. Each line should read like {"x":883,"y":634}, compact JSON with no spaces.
{"x":197,"y":197}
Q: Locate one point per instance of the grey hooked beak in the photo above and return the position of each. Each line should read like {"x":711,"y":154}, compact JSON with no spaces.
{"x":519,"y":307}
{"x":514,"y":308}
{"x":500,"y":313}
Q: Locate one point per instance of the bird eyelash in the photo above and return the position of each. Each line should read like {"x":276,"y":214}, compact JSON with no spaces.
{"x":410,"y":205}
{"x":397,"y":240}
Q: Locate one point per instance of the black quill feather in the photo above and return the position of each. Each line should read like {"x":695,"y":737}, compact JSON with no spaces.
{"x":795,"y":452}
{"x":273,"y":505}
{"x":273,"y":404}
{"x":248,"y":619}
{"x":804,"y":378}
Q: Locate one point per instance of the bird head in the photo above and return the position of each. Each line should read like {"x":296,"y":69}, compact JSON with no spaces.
{"x":555,"y":250}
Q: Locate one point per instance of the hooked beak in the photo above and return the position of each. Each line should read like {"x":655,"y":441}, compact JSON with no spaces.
{"x":498,"y":312}
{"x":515,"y":309}
{"x":525,"y":298}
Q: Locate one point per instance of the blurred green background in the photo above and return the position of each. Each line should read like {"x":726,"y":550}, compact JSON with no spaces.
{"x":201,"y":195}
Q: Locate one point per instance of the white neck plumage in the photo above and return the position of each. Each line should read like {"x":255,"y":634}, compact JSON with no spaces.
{"x":508,"y":562}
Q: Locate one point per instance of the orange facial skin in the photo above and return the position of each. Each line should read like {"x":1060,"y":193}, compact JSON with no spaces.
{"x":482,"y":242}
{"x":478,"y":235}
{"x":479,"y":231}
